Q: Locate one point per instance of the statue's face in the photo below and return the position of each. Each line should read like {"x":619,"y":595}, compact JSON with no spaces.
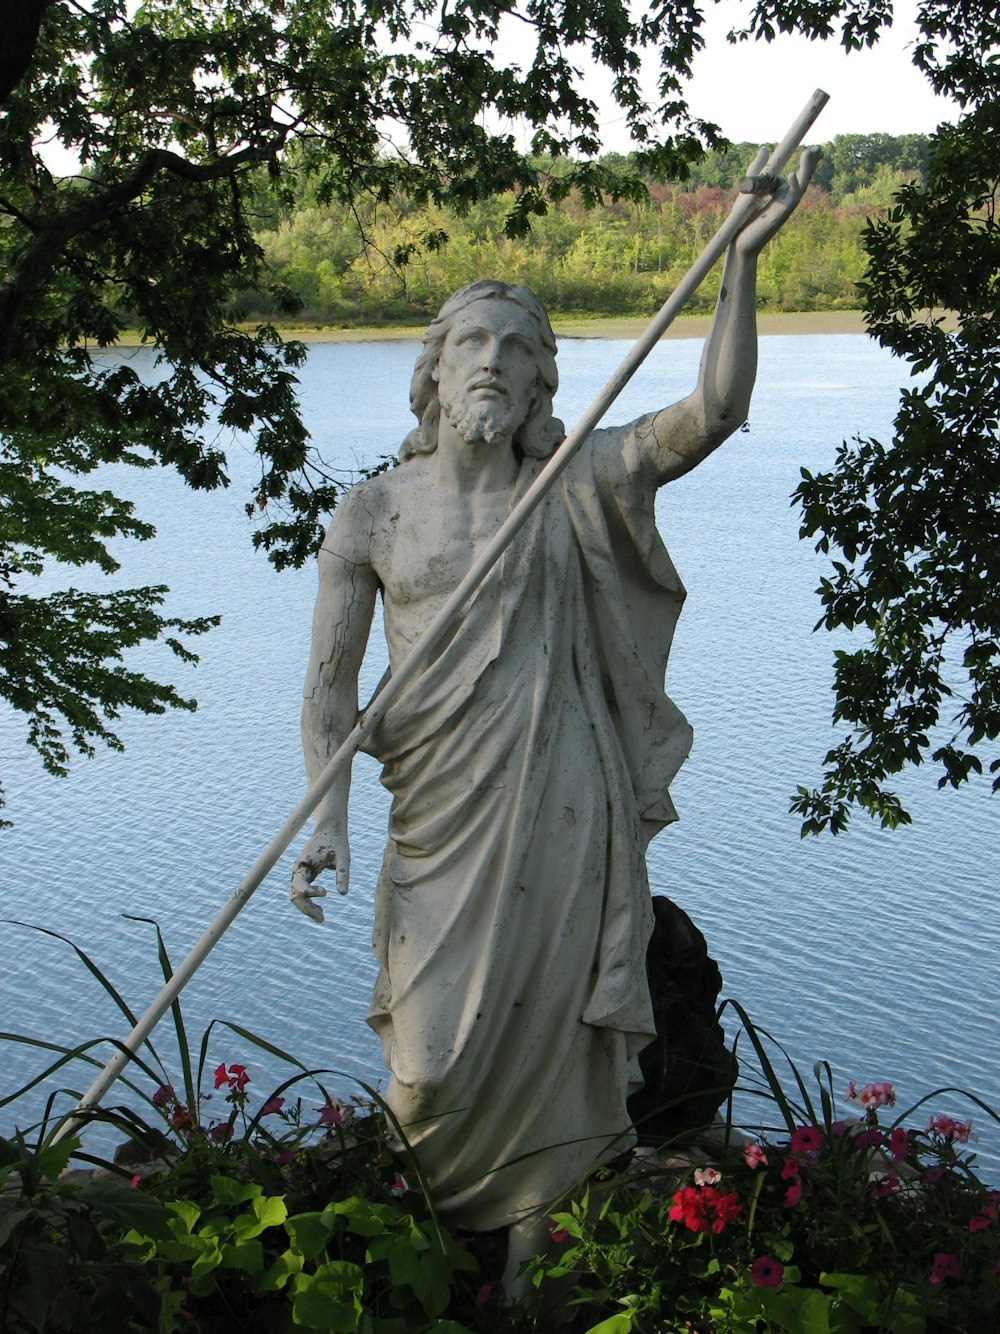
{"x":487,"y":370}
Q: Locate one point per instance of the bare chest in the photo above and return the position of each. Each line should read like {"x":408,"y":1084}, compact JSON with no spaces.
{"x":426,"y":545}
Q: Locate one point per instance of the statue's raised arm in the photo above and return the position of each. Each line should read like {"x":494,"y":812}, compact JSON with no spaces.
{"x":687,"y":432}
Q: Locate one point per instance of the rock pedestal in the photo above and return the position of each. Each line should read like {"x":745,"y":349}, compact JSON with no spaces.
{"x":688,"y":1070}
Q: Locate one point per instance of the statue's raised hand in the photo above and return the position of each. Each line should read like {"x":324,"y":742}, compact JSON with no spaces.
{"x":326,"y":851}
{"x":775,"y":208}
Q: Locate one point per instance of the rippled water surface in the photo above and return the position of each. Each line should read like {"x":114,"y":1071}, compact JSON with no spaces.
{"x":877,"y":951}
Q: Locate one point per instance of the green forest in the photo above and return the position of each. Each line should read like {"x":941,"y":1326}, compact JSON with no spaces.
{"x":394,"y":262}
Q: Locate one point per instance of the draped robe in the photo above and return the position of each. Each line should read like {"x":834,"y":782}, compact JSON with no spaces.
{"x":529,"y":765}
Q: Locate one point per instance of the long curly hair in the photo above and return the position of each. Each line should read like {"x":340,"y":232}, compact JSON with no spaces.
{"x":540,"y":432}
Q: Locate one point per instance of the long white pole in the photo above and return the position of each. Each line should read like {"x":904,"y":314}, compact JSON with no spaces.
{"x":445,"y":618}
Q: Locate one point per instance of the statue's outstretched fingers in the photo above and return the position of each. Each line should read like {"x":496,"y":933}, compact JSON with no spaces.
{"x":303,"y":894}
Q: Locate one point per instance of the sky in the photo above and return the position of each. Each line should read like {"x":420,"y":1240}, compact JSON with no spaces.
{"x":754,"y":90}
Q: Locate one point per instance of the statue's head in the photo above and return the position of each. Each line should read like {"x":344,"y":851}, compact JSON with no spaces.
{"x":535,"y":432}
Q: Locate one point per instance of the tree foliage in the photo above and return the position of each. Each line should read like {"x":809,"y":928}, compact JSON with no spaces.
{"x":913,"y":523}
{"x":194,"y":122}
{"x":622,"y":259}
{"x":191,"y":119}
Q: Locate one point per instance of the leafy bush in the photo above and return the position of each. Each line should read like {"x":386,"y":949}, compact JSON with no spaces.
{"x":275,"y":1213}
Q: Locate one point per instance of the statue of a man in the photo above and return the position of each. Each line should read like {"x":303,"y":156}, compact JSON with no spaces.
{"x":530,"y":761}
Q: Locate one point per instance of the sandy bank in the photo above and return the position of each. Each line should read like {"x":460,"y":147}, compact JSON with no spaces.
{"x":685,"y":326}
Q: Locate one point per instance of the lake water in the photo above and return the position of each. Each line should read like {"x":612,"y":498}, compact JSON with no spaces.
{"x":876,"y":951}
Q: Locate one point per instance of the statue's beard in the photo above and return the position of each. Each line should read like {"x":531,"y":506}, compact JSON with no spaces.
{"x":491,"y":423}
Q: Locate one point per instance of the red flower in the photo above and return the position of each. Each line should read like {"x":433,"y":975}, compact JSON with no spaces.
{"x":945,"y":1266}
{"x":789,"y":1169}
{"x":557,"y":1233}
{"x":885,"y":1186}
{"x":766,"y":1272}
{"x":688,"y":1207}
{"x":725,"y":1205}
{"x":872,"y":1137}
{"x":807,"y":1139}
{"x":221,"y":1132}
{"x":793,"y":1194}
{"x":899,"y":1144}
{"x":705,"y":1209}
{"x":271,"y":1106}
{"x":330,"y":1115}
{"x":483,"y":1295}
{"x":237,"y":1077}
{"x":163,"y":1095}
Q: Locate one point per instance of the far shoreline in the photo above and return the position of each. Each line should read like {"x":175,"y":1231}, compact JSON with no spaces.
{"x":769,"y":324}
{"x":685,"y":326}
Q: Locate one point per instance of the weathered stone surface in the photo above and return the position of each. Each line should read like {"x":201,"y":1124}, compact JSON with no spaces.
{"x":530,"y":760}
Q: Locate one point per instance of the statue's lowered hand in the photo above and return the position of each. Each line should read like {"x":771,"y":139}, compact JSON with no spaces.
{"x":325,"y":851}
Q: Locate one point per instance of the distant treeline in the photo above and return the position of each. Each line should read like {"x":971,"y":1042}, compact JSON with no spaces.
{"x":620,"y":259}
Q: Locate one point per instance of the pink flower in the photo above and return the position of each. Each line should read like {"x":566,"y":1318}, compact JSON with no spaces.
{"x":754,"y":1155}
{"x":877,"y":1094}
{"x":137,"y":1178}
{"x":271,"y":1106}
{"x":335,"y":1113}
{"x":948,"y":1128}
{"x":807,"y":1139}
{"x":766,"y":1272}
{"x":945,"y":1266}
{"x":483,"y":1295}
{"x":221,"y":1132}
{"x":163,"y":1095}
{"x":789,"y":1169}
{"x":707,"y":1176}
{"x":399,"y":1187}
{"x":793,"y":1194}
{"x":988,"y":1215}
{"x":899,"y":1144}
{"x":285,"y":1156}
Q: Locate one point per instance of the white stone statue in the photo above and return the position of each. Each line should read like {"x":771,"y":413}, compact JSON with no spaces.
{"x":530,"y":761}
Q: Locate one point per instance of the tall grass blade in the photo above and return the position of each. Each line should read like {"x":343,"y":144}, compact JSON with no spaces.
{"x":93,"y":969}
{"x":183,"y":1049}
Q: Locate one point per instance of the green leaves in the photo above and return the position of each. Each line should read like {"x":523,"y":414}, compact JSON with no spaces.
{"x":917,"y":521}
